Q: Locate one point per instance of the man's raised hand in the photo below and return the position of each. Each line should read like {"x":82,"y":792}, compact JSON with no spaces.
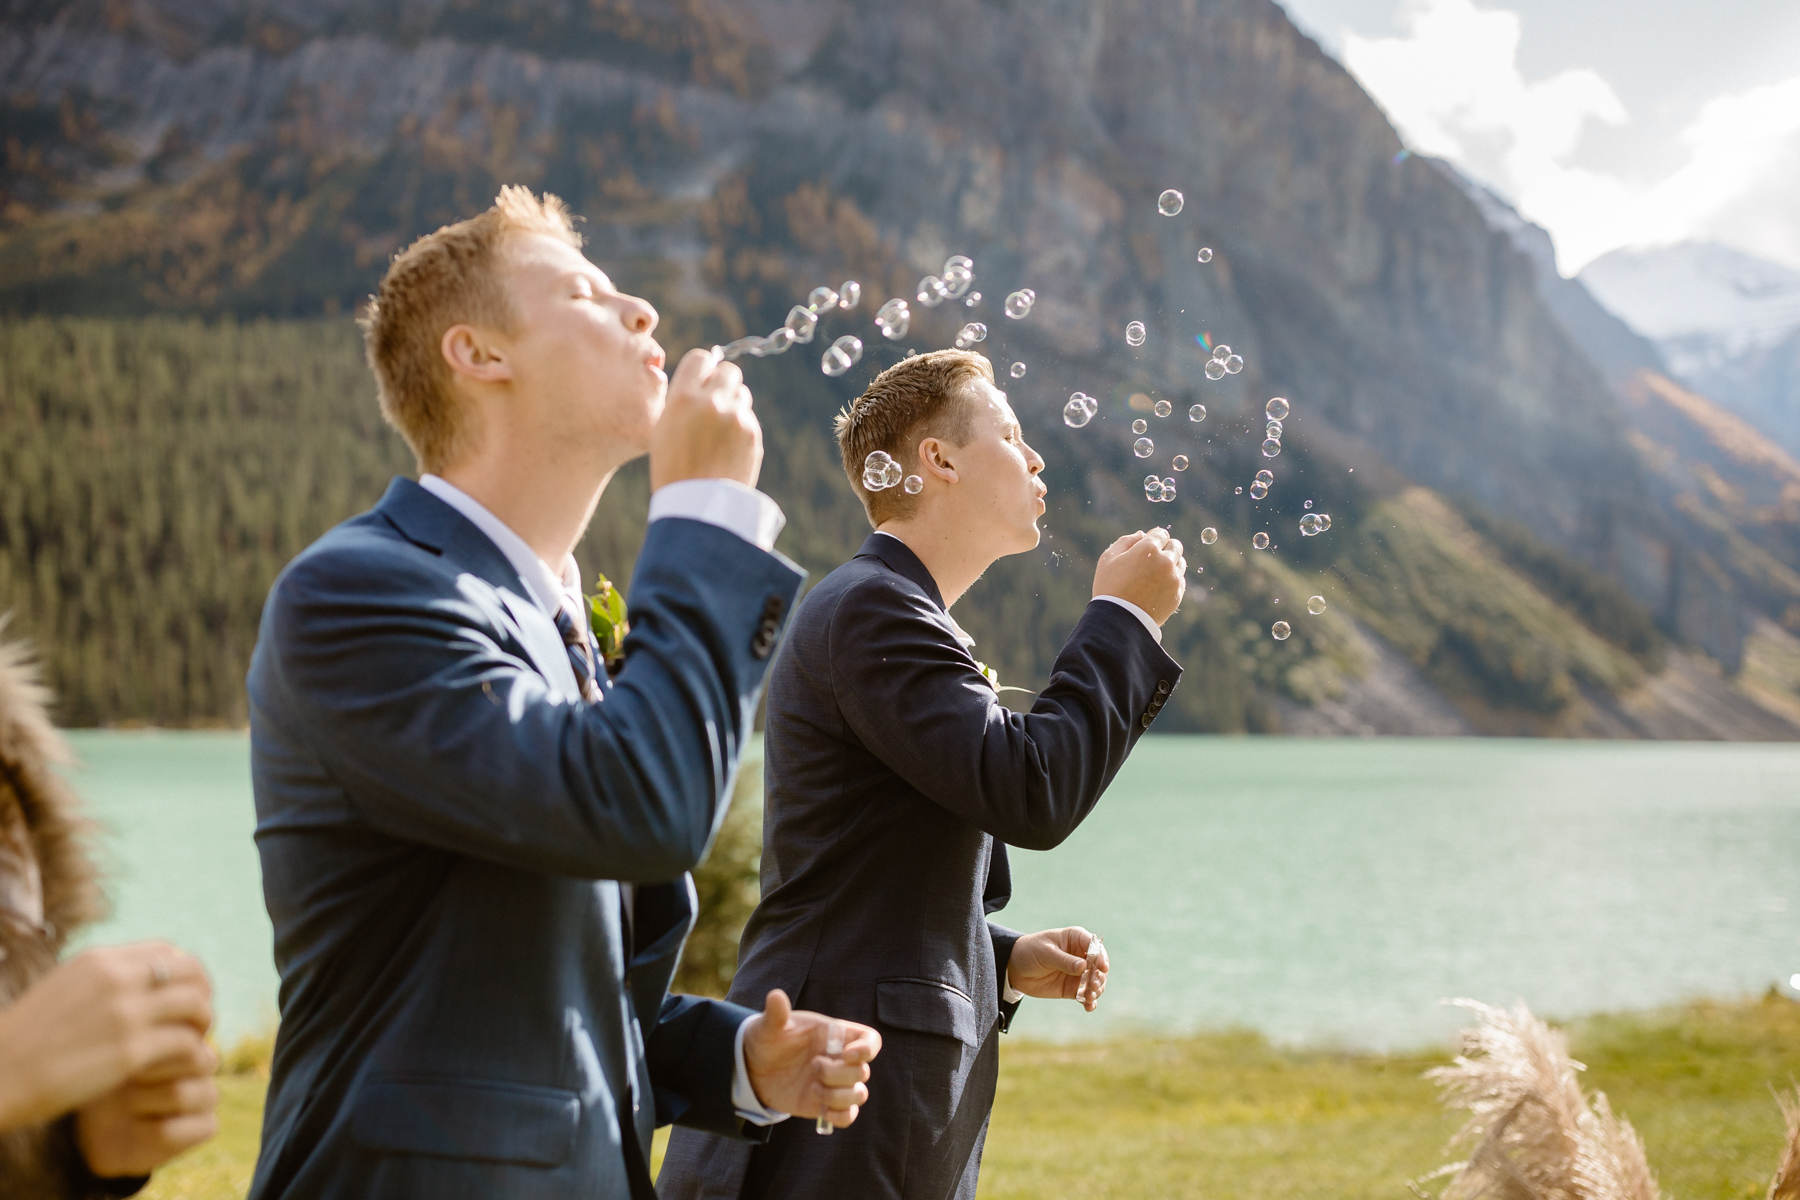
{"x":786,"y":1055}
{"x":1054,"y":964}
{"x":708,"y":429}
{"x":1148,"y":569}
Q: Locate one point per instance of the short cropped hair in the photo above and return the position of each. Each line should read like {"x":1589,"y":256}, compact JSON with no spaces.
{"x":926,"y":395}
{"x":446,"y":278}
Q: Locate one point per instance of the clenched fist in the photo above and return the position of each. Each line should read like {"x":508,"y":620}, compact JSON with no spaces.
{"x":1148,"y":569}
{"x":708,"y":429}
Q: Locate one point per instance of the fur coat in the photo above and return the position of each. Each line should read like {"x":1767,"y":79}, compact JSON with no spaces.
{"x":47,"y":892}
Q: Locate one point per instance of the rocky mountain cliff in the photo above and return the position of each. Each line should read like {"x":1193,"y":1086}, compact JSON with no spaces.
{"x":265,"y":159}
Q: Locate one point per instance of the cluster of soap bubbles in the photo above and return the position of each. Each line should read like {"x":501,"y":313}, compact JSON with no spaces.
{"x":1159,"y":490}
{"x":842,"y":355}
{"x":1313,"y":524}
{"x":1019,"y":303}
{"x":1276,"y":410}
{"x":802,"y":322}
{"x":1079,"y":410}
{"x":1259,"y":487}
{"x":880,"y":471}
{"x":1223,"y":362}
{"x":952,"y":283}
{"x":893,"y":319}
{"x":969,"y":334}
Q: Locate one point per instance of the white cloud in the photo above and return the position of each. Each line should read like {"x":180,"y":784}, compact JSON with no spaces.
{"x":1453,"y":86}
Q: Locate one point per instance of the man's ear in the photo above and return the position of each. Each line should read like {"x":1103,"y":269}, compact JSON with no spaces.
{"x":934,"y":459}
{"x":472,"y":353}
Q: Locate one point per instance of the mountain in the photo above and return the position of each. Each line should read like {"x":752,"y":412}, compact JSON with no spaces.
{"x":1508,"y":553}
{"x":1726,"y":322}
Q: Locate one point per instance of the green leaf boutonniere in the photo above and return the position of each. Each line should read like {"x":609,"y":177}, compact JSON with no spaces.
{"x":606,"y":617}
{"x":993,"y":678}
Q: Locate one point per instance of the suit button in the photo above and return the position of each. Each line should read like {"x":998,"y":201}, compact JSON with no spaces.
{"x":1162,"y":687}
{"x":1147,"y":718}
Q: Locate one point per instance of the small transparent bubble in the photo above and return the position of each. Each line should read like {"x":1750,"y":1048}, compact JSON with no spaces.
{"x":1140,"y":426}
{"x":1308,"y":504}
{"x":1315,"y":605}
{"x":801,"y":322}
{"x":1258,"y":490}
{"x":821,"y":298}
{"x":1152,"y":479}
{"x":1271,"y":448}
{"x":1018,"y":370}
{"x":1266,"y":477}
{"x":1237,"y":491}
{"x":1277,"y":409}
{"x":1272,"y":429}
{"x":957,"y":280}
{"x":1169,"y":203}
{"x":1153,"y":490}
{"x":1208,"y":536}
{"x":913,"y":485}
{"x":1260,"y":541}
{"x":1309,"y":525}
{"x":1197,"y":413}
{"x":875,"y":470}
{"x":1143,"y":447}
{"x":1168,"y":490}
{"x":1221,"y":352}
{"x":1019,"y":303}
{"x":1134,"y":333}
{"x":1324,"y":522}
{"x":893,"y":319}
{"x":1162,"y":408}
{"x":972,"y":299}
{"x":1279,"y":631}
{"x":1234,"y":364}
{"x":1180,"y":462}
{"x":751,"y":345}
{"x":842,"y":355}
{"x":1205,"y":254}
{"x":932,"y":291}
{"x":849,"y":294}
{"x":1076,"y":413}
{"x":778,"y":341}
{"x":958,"y":264}
{"x":1215,"y":370}
{"x":974,"y":331}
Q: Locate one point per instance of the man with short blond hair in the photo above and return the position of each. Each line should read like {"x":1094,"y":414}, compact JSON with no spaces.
{"x":895,"y":779}
{"x":475,"y":844}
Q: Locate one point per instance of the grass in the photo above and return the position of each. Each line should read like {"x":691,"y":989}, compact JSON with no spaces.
{"x":1227,"y":1115}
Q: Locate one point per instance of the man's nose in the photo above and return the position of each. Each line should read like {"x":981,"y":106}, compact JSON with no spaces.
{"x":1036,"y":463}
{"x":640,"y":315}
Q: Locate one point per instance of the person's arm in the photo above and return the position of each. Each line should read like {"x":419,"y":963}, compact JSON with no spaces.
{"x":439,"y":735}
{"x":914,"y":696}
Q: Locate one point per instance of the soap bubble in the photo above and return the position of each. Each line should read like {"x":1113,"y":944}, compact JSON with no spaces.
{"x":1324,"y":522}
{"x":1168,"y":487}
{"x":1208,"y":536}
{"x":1215,"y":370}
{"x":1140,"y":426}
{"x":1205,"y":254}
{"x":1197,"y":413}
{"x":1019,"y":303}
{"x":1134,"y":334}
{"x":842,"y":356}
{"x":1153,"y":489}
{"x":1315,"y":605}
{"x":1260,"y":541}
{"x":958,"y":264}
{"x":1279,"y":631}
{"x":1162,"y":408}
{"x":972,"y":300}
{"x":821,"y":298}
{"x":1180,"y":463}
{"x":1277,"y":409}
{"x":849,"y":294}
{"x":1271,"y":448}
{"x":1258,"y":490}
{"x":932,"y":291}
{"x":1221,"y":352}
{"x":1143,"y":447}
{"x":1076,"y":412}
{"x":1237,"y":491}
{"x":1234,"y":364}
{"x":752,"y":345}
{"x":778,"y":341}
{"x":1309,"y":525}
{"x":969,"y":334}
{"x":893,"y":319}
{"x":957,"y":278}
{"x":1308,"y":504}
{"x":1018,"y":370}
{"x":801,"y":322}
{"x":1272,"y":429}
{"x":1169,"y":203}
{"x":1266,"y":477}
{"x":875,"y":471}
{"x":913,"y":485}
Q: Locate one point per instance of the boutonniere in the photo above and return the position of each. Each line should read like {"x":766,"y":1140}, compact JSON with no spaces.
{"x":993,"y":677}
{"x":606,"y":617}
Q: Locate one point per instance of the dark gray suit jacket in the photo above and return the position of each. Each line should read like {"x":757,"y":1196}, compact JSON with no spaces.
{"x":894,"y":779}
{"x":466,"y":1008}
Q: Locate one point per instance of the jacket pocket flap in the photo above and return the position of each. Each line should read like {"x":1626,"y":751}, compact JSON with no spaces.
{"x":469,"y":1119}
{"x":927,"y":1006}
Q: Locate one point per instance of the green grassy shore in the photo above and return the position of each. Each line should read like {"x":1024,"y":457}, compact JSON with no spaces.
{"x":1228,"y":1116}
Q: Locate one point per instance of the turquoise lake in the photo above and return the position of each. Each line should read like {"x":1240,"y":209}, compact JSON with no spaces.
{"x":1320,"y":892}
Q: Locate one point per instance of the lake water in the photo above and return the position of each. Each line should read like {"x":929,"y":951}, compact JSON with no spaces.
{"x":1316,"y":891}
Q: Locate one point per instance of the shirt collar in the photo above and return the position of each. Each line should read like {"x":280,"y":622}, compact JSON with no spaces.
{"x":549,"y":589}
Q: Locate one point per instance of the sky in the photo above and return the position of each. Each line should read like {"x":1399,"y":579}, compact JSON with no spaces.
{"x":1609,"y":123}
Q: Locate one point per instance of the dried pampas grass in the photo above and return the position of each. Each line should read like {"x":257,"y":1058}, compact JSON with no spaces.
{"x":1531,"y":1133}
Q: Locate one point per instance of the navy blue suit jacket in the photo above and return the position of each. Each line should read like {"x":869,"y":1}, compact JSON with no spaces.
{"x":894,"y":779}
{"x":466,"y":1008}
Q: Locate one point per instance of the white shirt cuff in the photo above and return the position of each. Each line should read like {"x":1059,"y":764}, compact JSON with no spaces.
{"x":1154,"y":629}
{"x":725,"y":503}
{"x":743,"y":1096}
{"x":1008,"y":992}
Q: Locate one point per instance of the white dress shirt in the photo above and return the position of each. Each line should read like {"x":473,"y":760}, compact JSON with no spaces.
{"x":726,"y":503}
